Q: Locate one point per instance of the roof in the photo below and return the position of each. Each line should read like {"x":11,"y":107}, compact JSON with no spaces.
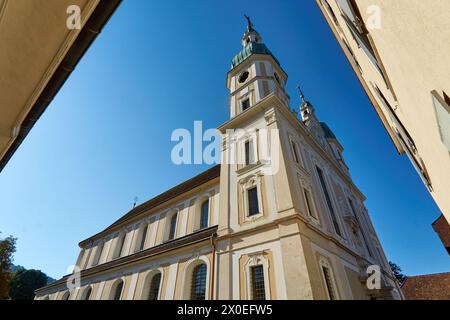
{"x":250,"y":49}
{"x":328,"y":133}
{"x":427,"y":287}
{"x":184,"y":187}
{"x":31,"y":78}
{"x":442,"y":228}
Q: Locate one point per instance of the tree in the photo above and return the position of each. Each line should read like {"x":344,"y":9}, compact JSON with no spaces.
{"x":7,"y":249}
{"x":25,"y":282}
{"x":397,"y":271}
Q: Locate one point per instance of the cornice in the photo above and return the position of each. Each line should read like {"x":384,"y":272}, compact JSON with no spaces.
{"x":189,"y":240}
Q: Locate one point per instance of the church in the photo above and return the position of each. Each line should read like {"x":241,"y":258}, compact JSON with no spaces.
{"x":279,"y":218}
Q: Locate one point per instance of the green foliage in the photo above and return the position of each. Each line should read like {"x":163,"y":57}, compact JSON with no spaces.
{"x":397,"y":272}
{"x":7,"y":249}
{"x":25,"y":282}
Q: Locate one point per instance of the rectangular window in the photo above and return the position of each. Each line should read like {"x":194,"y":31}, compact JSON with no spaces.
{"x":362,"y":230}
{"x":329,"y":283}
{"x":245,"y":104}
{"x":295,"y":152}
{"x":143,"y":238}
{"x":249,"y":153}
{"x":328,"y":200}
{"x":173,"y":227}
{"x":253,"y":206}
{"x":442,"y":111}
{"x":257,"y":283}
{"x":308,"y":200}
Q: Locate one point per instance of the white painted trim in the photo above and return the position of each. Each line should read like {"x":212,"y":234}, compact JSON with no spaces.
{"x":184,"y":218}
{"x":132,"y":289}
{"x":100,"y":290}
{"x":171,"y":281}
{"x":155,"y":230}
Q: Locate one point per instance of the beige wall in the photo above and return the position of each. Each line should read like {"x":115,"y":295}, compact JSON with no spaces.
{"x":411,"y":47}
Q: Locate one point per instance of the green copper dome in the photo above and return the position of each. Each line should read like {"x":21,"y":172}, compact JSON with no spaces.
{"x":251,"y":48}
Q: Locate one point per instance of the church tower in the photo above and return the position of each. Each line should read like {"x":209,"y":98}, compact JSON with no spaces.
{"x":289,"y":209}
{"x":255,"y":73}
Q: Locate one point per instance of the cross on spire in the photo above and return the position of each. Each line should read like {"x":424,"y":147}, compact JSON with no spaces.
{"x":249,"y":23}
{"x":302,"y":96}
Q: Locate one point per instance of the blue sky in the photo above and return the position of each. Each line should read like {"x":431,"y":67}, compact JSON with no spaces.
{"x":161,"y":65}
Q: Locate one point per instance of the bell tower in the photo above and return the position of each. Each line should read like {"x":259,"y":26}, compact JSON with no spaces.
{"x":255,"y":74}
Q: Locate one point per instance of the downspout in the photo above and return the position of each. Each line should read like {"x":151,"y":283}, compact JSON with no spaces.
{"x":213,"y":268}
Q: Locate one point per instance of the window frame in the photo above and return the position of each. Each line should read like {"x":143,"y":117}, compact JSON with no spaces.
{"x":241,"y":103}
{"x":173,"y":223}
{"x":324,"y":263}
{"x":332,"y":211}
{"x":249,"y":183}
{"x":257,"y":259}
{"x":187,"y":277}
{"x":202,"y":213}
{"x":114,"y":288}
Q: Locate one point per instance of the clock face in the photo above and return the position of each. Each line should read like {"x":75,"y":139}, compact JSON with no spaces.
{"x":243,"y":77}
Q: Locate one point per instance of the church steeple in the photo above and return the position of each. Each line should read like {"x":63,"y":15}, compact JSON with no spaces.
{"x":251,"y":35}
{"x":255,"y":74}
{"x":306,"y":108}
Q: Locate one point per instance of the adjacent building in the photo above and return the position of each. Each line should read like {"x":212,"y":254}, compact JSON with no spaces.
{"x":427,"y":287}
{"x":442,"y":228}
{"x":38,"y":53}
{"x":279,"y":218}
{"x":399,"y":51}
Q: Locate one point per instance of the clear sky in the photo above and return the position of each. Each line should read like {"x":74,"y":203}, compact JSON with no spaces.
{"x":161,"y":65}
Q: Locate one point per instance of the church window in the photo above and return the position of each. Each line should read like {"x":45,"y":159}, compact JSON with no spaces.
{"x":117,"y":290}
{"x":245,"y":104}
{"x":173,"y":227}
{"x":329,"y":283}
{"x":277,"y":78}
{"x":328,"y":201}
{"x":120,"y":246}
{"x":295,"y":152}
{"x":155,"y":284}
{"x":253,"y":206}
{"x":243,"y":77}
{"x":309,"y":203}
{"x":198,"y":282}
{"x":249,"y":152}
{"x":258,"y":288}
{"x":142,"y":238}
{"x":87,"y":293}
{"x":204,"y":214}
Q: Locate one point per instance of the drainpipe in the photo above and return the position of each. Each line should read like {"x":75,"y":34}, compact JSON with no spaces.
{"x":213,"y":268}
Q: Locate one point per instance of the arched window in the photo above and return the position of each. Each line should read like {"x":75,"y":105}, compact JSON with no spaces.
{"x":66,"y":296}
{"x":173,"y":226}
{"x":86,"y":293}
{"x":204,"y":215}
{"x":198,"y":282}
{"x":98,"y":254}
{"x":142,"y":236}
{"x":155,"y":284}
{"x":116,"y":290}
{"x":119,"y":246}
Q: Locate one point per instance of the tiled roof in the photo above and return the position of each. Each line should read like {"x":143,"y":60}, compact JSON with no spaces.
{"x":427,"y":287}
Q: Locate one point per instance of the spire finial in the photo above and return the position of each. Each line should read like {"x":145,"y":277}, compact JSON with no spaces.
{"x":249,"y":23}
{"x":302,"y":96}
